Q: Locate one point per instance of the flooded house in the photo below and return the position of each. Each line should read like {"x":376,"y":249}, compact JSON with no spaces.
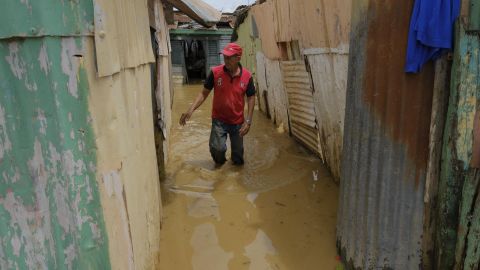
{"x":195,"y":48}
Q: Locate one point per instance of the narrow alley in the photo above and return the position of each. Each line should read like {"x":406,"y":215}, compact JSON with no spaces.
{"x":276,"y":212}
{"x":362,"y":146}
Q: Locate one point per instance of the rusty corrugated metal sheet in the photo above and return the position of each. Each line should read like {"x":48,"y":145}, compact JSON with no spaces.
{"x":198,"y":10}
{"x":301,"y":109}
{"x":384,"y":159}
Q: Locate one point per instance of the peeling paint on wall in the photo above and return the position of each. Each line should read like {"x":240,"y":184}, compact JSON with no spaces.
{"x":26,"y":18}
{"x":5,"y":143}
{"x":114,"y":188}
{"x":70,"y":65}
{"x":43,"y":59}
{"x":122,"y":119}
{"x":17,"y":67}
{"x":458,"y":238}
{"x":51,"y":102}
{"x":50,"y":214}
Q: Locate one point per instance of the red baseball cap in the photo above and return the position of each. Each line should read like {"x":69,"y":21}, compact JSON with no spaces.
{"x":232,"y":49}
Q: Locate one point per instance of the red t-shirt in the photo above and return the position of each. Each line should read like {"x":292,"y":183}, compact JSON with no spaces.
{"x":229,"y":93}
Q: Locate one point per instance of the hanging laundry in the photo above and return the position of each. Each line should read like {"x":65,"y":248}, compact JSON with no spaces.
{"x":186,"y":48}
{"x":194,"y":48}
{"x":431,"y":31}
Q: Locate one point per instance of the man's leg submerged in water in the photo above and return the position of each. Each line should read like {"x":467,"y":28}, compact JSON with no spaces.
{"x":218,"y":140}
{"x":237,"y":144}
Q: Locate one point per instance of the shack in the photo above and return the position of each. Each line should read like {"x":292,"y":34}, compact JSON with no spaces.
{"x":301,"y":74}
{"x":195,"y":48}
{"x":404,"y":148}
{"x":84,"y":92}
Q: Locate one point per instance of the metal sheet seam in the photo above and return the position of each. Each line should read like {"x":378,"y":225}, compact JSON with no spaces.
{"x":313,"y":51}
{"x":12,"y":38}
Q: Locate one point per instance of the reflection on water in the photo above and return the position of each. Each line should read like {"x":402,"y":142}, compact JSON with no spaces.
{"x":278,"y":211}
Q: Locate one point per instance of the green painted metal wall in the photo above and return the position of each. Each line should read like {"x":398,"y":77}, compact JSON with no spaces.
{"x":458,"y":234}
{"x":47,"y":17}
{"x":250,"y":42}
{"x":50,"y":211}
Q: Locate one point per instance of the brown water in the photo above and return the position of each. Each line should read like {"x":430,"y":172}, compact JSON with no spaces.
{"x":278,"y":211}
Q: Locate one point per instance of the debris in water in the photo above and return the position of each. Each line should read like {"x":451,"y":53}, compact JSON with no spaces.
{"x":280,"y":204}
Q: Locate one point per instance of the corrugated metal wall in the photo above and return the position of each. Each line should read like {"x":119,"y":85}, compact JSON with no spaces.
{"x":298,"y":86}
{"x":50,"y":212}
{"x":319,"y":29}
{"x":165,"y":79}
{"x":212,"y":49}
{"x":271,"y":91}
{"x":262,"y":86}
{"x":329,"y":76}
{"x":120,"y":39}
{"x":315,"y":24}
{"x":264,"y":15}
{"x":250,"y":44}
{"x":177,"y":52}
{"x":385,"y":150}
{"x":458,"y":235}
{"x":71,"y":142}
{"x":76,"y":19}
{"x":224,"y":40}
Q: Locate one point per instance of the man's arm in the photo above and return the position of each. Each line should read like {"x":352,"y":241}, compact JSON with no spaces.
{"x":246,"y":125}
{"x":251,"y":105}
{"x":207,"y":88}
{"x":198,"y":101}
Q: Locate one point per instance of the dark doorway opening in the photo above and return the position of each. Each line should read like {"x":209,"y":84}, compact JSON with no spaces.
{"x":195,"y":60}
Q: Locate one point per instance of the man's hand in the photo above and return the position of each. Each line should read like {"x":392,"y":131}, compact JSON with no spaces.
{"x":184,"y":118}
{"x":244,"y":129}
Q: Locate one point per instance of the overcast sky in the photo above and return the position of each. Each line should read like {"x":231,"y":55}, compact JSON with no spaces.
{"x":228,"y":5}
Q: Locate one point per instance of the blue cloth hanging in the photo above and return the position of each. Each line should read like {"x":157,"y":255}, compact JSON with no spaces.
{"x":431,"y":31}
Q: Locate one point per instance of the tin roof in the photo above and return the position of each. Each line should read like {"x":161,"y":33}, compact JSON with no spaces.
{"x":198,"y":10}
{"x":226,"y":20}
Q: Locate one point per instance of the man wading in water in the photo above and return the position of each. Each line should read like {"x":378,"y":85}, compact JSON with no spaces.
{"x":231,"y":82}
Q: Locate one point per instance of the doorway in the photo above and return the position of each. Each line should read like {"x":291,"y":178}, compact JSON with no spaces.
{"x":195,"y":60}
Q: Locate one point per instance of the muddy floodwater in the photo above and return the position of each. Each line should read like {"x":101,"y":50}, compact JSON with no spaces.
{"x":278,"y":211}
